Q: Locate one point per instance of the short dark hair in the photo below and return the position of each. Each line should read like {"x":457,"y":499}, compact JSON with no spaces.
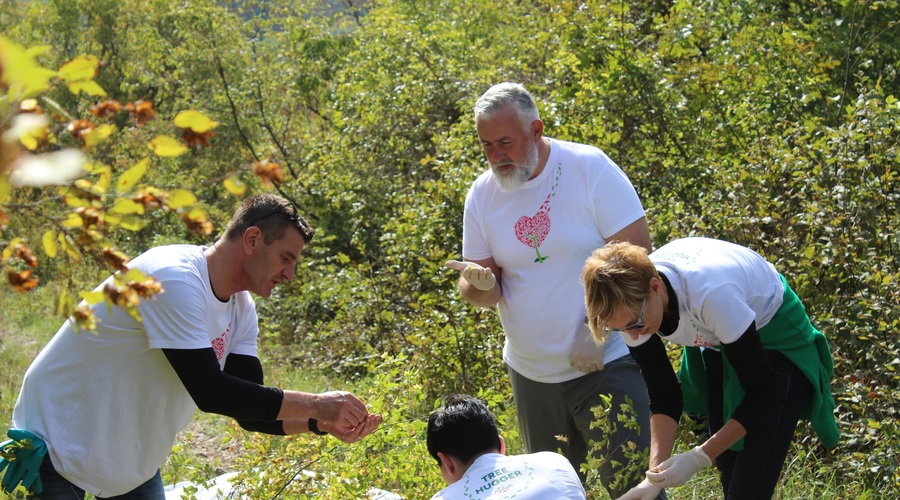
{"x":272,"y":214}
{"x":463,"y":427}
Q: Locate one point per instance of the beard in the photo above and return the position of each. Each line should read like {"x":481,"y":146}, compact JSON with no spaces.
{"x":520,"y":173}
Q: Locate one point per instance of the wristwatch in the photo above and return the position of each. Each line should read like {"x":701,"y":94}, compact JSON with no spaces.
{"x":314,"y":428}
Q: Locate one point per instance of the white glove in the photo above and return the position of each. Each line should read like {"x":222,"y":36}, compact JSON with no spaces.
{"x":643,"y":491}
{"x":481,"y":278}
{"x":678,"y":469}
{"x":587,"y":355}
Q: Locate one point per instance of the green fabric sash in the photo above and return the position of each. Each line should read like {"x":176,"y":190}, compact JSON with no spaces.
{"x":791,"y":333}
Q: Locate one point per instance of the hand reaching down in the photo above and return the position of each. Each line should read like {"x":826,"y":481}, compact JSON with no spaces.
{"x":679,"y":469}
{"x":352,"y":434}
{"x":587,"y":355}
{"x":643,"y":491}
{"x":340,"y":408}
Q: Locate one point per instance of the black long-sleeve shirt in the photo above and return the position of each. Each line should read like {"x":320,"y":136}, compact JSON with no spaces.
{"x":237,"y":392}
{"x":746,"y":355}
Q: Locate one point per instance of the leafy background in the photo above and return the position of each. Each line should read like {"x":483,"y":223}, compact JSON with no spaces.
{"x":773,"y":124}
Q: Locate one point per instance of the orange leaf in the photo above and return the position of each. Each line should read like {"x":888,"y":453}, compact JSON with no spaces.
{"x":27,"y":256}
{"x":269,"y":172}
{"x":142,"y":111}
{"x":21,"y":282}
{"x":194,"y":139}
{"x":106,"y":109}
{"x":80,"y":128}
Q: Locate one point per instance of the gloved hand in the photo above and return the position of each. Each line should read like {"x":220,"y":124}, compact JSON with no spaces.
{"x":21,"y":458}
{"x":587,"y":355}
{"x":678,"y":469}
{"x":481,"y":278}
{"x":643,"y":491}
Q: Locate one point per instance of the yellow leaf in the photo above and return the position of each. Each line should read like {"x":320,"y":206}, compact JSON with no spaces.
{"x":49,"y":241}
{"x":67,"y":245}
{"x":92,"y":297}
{"x":62,"y":305}
{"x":104,"y":172}
{"x":99,"y":134}
{"x":5,"y":189}
{"x":7,"y":252}
{"x":73,"y":220}
{"x":197,"y":214}
{"x":89,"y":87}
{"x":23,"y":76}
{"x":166,"y":146}
{"x":180,"y":198}
{"x":132,"y":223}
{"x":132,"y":176}
{"x":195,"y":120}
{"x":78,"y":74}
{"x":112,"y":219}
{"x":73,"y":198}
{"x":234,"y":186}
{"x":83,"y":184}
{"x":127,"y":206}
{"x":134,"y":274}
{"x":29,"y":141}
{"x":83,"y":67}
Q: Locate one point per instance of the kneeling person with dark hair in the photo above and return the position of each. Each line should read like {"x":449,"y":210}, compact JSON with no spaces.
{"x":463,"y":438}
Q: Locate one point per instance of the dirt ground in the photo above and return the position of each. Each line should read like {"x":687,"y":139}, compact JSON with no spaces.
{"x":207,"y":444}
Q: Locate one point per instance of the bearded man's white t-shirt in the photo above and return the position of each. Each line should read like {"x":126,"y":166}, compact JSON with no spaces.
{"x":540,"y":236}
{"x":107,"y":402}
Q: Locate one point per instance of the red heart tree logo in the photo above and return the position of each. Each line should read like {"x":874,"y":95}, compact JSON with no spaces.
{"x":532,"y":230}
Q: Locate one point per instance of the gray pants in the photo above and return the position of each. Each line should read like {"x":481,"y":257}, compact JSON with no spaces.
{"x":548,"y":410}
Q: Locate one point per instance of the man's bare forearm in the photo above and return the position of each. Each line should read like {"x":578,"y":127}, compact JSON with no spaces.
{"x":479,"y":298}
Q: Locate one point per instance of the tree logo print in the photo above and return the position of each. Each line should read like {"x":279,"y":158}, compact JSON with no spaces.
{"x":533,"y":230}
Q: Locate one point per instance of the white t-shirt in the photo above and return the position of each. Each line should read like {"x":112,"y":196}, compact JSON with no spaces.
{"x":538,"y":476}
{"x":721,"y":289}
{"x":540,"y":236}
{"x":108,"y":403}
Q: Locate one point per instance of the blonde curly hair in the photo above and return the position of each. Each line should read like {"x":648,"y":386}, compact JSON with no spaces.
{"x":617,"y":274}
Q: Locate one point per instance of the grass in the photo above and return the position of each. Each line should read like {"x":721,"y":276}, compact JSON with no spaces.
{"x":27,"y":322}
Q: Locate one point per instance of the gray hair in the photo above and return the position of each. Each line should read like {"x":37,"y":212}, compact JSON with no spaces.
{"x":505,"y":93}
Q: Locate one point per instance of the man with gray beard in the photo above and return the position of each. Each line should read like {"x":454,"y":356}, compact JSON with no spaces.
{"x":525,"y":259}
